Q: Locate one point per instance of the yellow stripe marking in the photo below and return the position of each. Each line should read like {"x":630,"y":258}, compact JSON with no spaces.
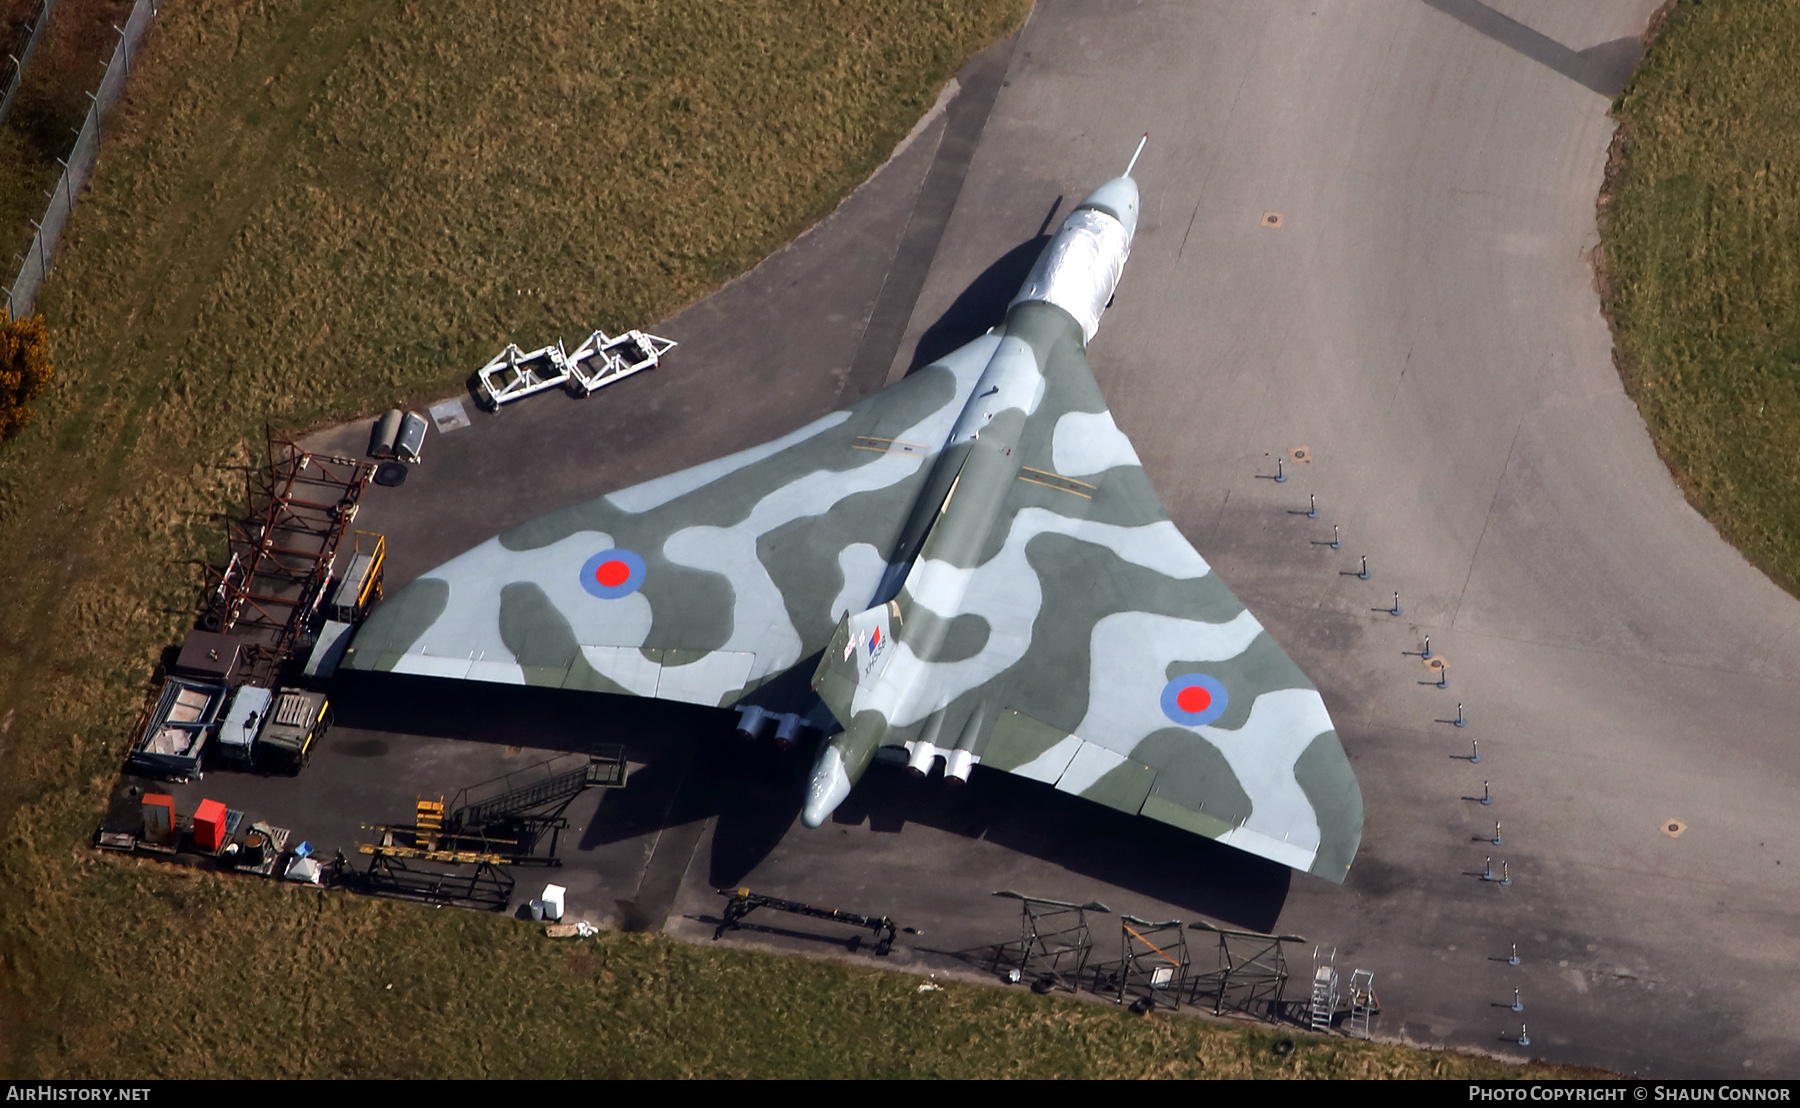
{"x":1058,"y":488}
{"x":1058,"y":476}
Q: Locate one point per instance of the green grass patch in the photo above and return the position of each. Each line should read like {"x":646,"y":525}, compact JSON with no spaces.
{"x":308,"y":209}
{"x":1702,"y":260}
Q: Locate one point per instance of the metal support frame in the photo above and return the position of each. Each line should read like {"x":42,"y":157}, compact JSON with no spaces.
{"x":487,"y":885}
{"x":514,"y":374}
{"x":1054,"y":942}
{"x":1252,"y":973}
{"x":1153,"y":961}
{"x":742,"y":902}
{"x":600,"y":360}
{"x":298,"y":506}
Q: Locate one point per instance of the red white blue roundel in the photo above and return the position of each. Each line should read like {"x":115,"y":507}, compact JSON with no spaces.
{"x":611,"y":574}
{"x":1194,"y":699}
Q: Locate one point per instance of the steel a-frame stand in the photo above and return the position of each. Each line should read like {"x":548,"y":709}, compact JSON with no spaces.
{"x":1153,"y":962}
{"x":1252,"y":974}
{"x":742,"y":902}
{"x":488,"y":886}
{"x":1054,"y":942}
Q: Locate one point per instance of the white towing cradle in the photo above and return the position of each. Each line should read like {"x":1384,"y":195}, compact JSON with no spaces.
{"x":514,"y":374}
{"x":600,"y":361}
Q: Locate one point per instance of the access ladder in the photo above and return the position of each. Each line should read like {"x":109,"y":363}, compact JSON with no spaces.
{"x":1324,"y":997}
{"x":1363,"y":1004}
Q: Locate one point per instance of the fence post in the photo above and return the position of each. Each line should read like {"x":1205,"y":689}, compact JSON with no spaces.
{"x":66,"y":182}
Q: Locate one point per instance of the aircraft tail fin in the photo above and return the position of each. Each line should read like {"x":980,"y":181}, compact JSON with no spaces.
{"x":856,"y":655}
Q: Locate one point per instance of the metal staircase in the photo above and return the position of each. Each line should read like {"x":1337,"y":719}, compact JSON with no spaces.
{"x":545,"y":785}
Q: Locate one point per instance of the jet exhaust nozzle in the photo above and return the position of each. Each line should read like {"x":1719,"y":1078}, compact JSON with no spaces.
{"x":753,"y":722}
{"x":923,"y":754}
{"x":957,"y":765}
{"x":787,"y":731}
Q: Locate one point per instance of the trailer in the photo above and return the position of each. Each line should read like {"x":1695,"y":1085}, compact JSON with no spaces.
{"x":600,"y":360}
{"x":293,"y":728}
{"x":515,"y":374}
{"x":244,"y":718}
{"x":172,"y":740}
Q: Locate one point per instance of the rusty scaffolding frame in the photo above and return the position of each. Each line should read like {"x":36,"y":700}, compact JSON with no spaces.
{"x":297,"y":508}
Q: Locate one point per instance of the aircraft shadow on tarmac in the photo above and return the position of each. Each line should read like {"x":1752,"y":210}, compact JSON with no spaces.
{"x":756,"y":811}
{"x":983,"y":304}
{"x":690,"y":767}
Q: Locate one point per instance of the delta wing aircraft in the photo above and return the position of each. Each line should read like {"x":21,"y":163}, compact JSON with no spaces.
{"x":970,"y":564}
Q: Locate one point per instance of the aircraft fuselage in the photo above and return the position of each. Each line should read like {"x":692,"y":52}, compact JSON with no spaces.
{"x":894,"y":641}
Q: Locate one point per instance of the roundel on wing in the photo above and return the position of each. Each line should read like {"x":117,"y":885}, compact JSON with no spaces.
{"x":611,"y":574}
{"x":1194,"y":699}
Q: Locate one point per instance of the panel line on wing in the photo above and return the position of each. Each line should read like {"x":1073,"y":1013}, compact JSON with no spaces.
{"x":889,"y":446}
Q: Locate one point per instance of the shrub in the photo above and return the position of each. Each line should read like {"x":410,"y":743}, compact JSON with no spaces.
{"x":24,"y":369}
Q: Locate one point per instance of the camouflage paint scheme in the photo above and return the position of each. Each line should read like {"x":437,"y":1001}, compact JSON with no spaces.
{"x":970,"y":564}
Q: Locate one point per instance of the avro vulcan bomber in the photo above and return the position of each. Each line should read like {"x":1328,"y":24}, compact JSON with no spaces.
{"x":968,"y":565}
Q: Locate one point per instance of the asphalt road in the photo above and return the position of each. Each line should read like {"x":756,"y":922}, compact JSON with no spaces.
{"x":1423,"y":321}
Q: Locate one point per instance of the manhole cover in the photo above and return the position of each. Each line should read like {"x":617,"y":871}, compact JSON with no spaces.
{"x":1673,"y":828}
{"x":389,"y":474}
{"x":1436,"y":662}
{"x":1301,"y":453}
{"x":1271,"y":219}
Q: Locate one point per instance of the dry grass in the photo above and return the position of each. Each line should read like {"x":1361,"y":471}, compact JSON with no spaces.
{"x":310,"y":208}
{"x":1702,"y":252}
{"x":222,"y":975}
{"x":70,"y":58}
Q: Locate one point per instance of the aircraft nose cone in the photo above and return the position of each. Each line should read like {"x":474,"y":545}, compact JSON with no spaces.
{"x":1119,"y":199}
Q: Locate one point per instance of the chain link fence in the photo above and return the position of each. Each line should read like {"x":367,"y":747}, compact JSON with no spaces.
{"x":18,"y":52}
{"x":79,"y":165}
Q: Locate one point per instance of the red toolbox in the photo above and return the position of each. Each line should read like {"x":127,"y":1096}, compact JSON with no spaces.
{"x":209,"y":825}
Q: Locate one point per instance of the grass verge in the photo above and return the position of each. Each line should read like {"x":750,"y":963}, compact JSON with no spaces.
{"x":1701,"y":239}
{"x":68,"y":63}
{"x":311,"y":208}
